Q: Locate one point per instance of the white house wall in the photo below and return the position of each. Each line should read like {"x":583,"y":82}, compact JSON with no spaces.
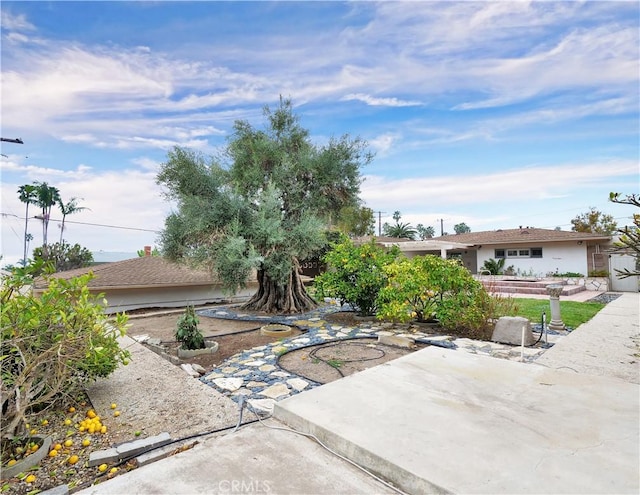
{"x":561,"y":257}
{"x":119,"y":300}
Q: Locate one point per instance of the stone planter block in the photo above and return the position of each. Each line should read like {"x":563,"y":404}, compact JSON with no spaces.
{"x":23,"y":465}
{"x":211,"y":348}
{"x":508,"y":330}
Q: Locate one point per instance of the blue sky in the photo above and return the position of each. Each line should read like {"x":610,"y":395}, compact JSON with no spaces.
{"x":495,"y":114}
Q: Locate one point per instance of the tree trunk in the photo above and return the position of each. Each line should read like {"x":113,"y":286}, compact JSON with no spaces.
{"x":272,"y":297}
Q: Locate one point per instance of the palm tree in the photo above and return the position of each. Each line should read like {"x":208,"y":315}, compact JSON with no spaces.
{"x":47,"y":196}
{"x":68,"y":209}
{"x":399,"y":230}
{"x":27,"y":195}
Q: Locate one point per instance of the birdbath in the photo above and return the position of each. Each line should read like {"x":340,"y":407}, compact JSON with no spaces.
{"x":554,"y":292}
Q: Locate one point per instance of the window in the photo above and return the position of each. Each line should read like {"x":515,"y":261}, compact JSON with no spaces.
{"x":536,"y":252}
{"x":518,"y":253}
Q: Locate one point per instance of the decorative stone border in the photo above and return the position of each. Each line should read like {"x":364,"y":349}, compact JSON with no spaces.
{"x":211,"y":348}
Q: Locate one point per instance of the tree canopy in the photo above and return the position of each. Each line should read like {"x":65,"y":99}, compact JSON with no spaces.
{"x":594,"y":221}
{"x":425,"y":232}
{"x":461,"y":228}
{"x":263,"y":205}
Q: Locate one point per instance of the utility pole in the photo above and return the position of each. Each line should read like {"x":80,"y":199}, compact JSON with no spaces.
{"x":380,"y":222}
{"x":441,"y":226}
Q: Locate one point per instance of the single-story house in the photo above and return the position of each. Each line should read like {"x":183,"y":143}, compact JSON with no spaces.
{"x":152,"y":282}
{"x":534,"y":252}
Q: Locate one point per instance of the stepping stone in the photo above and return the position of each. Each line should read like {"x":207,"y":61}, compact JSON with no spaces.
{"x":267,"y":367}
{"x":253,"y":384}
{"x":255,"y":364}
{"x":298,"y":384}
{"x":263,"y":407}
{"x":275,"y":391}
{"x":280,"y":374}
{"x":231,"y":384}
{"x":229,"y":370}
{"x":213,"y":376}
{"x":257,"y":354}
{"x":243,"y":373}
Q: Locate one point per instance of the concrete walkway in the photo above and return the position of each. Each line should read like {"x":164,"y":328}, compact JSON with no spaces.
{"x":441,"y":421}
{"x":607,"y":345}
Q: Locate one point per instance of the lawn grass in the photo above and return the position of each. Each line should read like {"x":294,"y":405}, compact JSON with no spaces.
{"x":573,"y":313}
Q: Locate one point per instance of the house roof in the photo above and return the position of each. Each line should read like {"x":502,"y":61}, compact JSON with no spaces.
{"x":522,"y":235}
{"x":147,"y":271}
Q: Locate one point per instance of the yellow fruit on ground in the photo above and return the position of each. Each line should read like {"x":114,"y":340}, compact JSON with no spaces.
{"x":72,"y":409}
{"x":30,"y":479}
{"x":34,"y":447}
{"x":91,"y":429}
{"x":114,"y":405}
{"x":57,"y":446}
{"x":103,"y":429}
{"x":86,"y":442}
{"x":11,"y":462}
{"x":113,"y":470}
{"x":116,"y":413}
{"x":82,"y":428}
{"x":102,"y":468}
{"x":34,"y":431}
{"x":68,"y":443}
{"x":73,"y":459}
{"x":53,"y":453}
{"x":67,"y":422}
{"x":91,"y":413}
{"x":45,"y":422}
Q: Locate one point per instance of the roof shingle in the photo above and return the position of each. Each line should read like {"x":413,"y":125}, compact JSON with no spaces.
{"x":523,"y":235}
{"x":146,"y":271}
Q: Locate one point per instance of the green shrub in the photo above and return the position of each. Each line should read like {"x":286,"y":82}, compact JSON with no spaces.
{"x":429,"y":287}
{"x":355,"y":274}
{"x":494,"y":267}
{"x":188,"y":332}
{"x":53,"y":344}
{"x":569,"y":275}
{"x":598,"y":273}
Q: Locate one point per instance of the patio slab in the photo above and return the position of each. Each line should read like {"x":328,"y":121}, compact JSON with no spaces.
{"x":441,"y":421}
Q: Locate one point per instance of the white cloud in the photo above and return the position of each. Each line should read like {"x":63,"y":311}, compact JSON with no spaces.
{"x":379,"y":102}
{"x":534,"y":183}
{"x":12,"y":22}
{"x":383,"y":144}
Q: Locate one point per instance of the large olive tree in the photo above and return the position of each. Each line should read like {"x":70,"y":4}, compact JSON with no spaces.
{"x":265,"y":209}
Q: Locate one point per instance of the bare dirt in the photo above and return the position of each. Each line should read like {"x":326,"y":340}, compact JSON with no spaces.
{"x":232,"y":336}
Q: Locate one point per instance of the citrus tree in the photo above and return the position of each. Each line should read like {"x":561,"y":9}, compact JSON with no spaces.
{"x":51,"y":345}
{"x":429,"y":288}
{"x":355,"y":274}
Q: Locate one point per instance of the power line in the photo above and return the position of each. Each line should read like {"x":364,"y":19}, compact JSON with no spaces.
{"x":87,"y":223}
